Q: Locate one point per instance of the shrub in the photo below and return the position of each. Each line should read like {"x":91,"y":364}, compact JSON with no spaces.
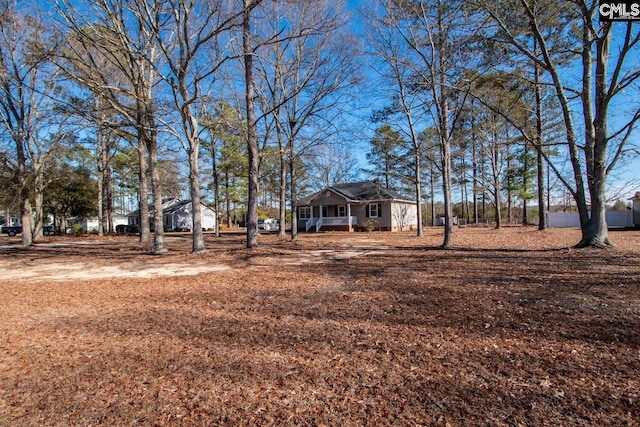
{"x":77,"y":229}
{"x":370,"y":225}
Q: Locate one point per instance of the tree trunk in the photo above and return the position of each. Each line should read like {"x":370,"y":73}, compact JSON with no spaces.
{"x":498,"y":204}
{"x":445,"y":134}
{"x":23,"y":190}
{"x":105,"y":202}
{"x":143,"y":194}
{"x":227,"y":185}
{"x":446,"y":190}
{"x":102,"y":156}
{"x":252,"y":136}
{"x":474,"y":165}
{"x":101,"y":221}
{"x":418,"y":187}
{"x":26,"y":220}
{"x":542,"y":215}
{"x":595,"y":230}
{"x":432,"y":186}
{"x":525,"y":184}
{"x":108,"y":193}
{"x":293,"y":185}
{"x":216,"y":185}
{"x":159,"y":246}
{"x":467,"y":209}
{"x":38,"y":198}
{"x":509,"y":182}
{"x":194,"y":190}
{"x":475,"y":185}
{"x":283,"y":184}
{"x":542,"y":209}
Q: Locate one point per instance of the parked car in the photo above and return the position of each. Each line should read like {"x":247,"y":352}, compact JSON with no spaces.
{"x":128,"y":229}
{"x":12,"y":230}
{"x":269,"y":224}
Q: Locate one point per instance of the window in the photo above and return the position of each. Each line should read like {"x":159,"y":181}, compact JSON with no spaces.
{"x":342,"y":210}
{"x":304,"y":212}
{"x":373,"y":210}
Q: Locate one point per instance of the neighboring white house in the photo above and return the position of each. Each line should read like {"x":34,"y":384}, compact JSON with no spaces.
{"x":360,"y":205}
{"x":91,"y":225}
{"x":177,"y":215}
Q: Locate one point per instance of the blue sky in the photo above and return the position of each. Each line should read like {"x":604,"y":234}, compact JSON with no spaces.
{"x":623,"y":183}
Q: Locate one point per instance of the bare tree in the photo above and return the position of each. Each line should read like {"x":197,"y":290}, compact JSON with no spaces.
{"x":252,"y":131}
{"x":116,"y":32}
{"x":271,"y":68}
{"x":538,"y":139}
{"x":306,"y":74}
{"x":331,"y":164}
{"x":192,"y":34}
{"x":606,"y":77}
{"x":224,"y":127}
{"x":434,"y":33}
{"x":27,"y":80}
{"x":106,"y":147}
{"x":397,"y":69}
{"x":502,"y":110}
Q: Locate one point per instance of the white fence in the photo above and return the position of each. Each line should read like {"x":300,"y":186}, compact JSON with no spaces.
{"x":614,"y":219}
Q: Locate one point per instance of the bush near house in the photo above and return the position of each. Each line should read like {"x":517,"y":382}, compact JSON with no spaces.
{"x":370,"y":225}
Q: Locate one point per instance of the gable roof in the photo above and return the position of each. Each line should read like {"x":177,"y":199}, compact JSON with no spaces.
{"x":169,"y":206}
{"x":364,"y":191}
{"x":175,"y":206}
{"x":368,"y":190}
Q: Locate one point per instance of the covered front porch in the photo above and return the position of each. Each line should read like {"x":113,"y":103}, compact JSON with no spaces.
{"x":327,"y":217}
{"x":332,"y":223}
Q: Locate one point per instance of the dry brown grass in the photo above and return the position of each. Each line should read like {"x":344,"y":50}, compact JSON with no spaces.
{"x":512,"y":327}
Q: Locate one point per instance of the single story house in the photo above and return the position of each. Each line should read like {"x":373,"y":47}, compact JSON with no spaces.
{"x":177,"y":215}
{"x":92,"y":224}
{"x":357,"y":206}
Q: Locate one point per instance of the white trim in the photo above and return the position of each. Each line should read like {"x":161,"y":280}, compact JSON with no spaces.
{"x":307,"y":212}
{"x":371,"y":215}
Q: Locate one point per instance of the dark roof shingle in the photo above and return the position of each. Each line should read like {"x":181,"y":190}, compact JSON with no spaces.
{"x":361,"y":191}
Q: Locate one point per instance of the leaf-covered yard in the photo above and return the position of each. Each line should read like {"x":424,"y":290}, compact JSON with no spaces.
{"x":512,"y":327}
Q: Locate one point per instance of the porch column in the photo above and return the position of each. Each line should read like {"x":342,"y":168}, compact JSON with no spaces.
{"x":350,"y":228}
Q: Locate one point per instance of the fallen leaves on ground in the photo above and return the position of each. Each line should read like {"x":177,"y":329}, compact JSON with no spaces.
{"x":511,"y":327}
